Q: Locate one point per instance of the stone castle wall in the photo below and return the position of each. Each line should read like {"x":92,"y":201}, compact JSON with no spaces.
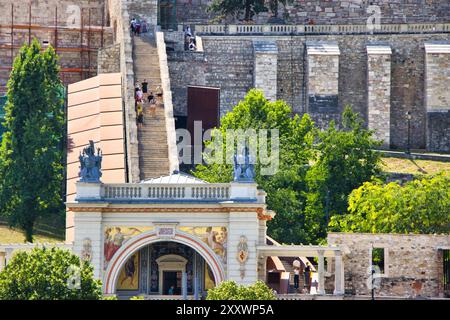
{"x":332,"y":12}
{"x":109,"y":59}
{"x":227,"y":62}
{"x":411,"y":261}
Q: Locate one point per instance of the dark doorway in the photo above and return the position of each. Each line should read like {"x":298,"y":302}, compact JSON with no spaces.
{"x":446,"y":273}
{"x":170,"y":279}
{"x":168,"y":15}
{"x":203,"y":105}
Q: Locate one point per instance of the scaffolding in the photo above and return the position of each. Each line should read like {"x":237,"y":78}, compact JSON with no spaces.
{"x":19,"y":27}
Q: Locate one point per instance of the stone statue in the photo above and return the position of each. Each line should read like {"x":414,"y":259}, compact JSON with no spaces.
{"x":90,"y":164}
{"x":244,"y":168}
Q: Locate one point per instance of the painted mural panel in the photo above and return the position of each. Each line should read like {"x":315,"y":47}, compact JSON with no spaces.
{"x":209,"y":278}
{"x":115,"y":237}
{"x":215,"y":237}
{"x":129,"y":275}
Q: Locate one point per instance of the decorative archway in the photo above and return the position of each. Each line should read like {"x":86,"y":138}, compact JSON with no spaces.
{"x":136,"y":243}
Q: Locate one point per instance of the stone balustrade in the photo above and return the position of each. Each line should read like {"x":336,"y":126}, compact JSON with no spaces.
{"x":195,"y":192}
{"x":167,"y":192}
{"x":274,"y":29}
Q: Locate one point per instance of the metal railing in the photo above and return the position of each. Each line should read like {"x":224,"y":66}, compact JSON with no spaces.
{"x":234,"y":29}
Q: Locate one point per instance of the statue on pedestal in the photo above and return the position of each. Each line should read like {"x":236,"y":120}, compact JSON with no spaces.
{"x":90,"y":164}
{"x":244,"y":168}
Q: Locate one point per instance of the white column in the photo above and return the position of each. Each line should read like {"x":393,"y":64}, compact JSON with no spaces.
{"x":338,"y":274}
{"x":321,"y":289}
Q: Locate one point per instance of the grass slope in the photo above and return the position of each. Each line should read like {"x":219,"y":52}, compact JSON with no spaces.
{"x":8,"y":235}
{"x":399,"y":165}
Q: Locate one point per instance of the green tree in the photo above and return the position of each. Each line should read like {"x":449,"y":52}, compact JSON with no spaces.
{"x":234,"y":8}
{"x":229,"y":290}
{"x":48,"y":274}
{"x":31,"y":157}
{"x":317,"y":171}
{"x":418,"y":206}
{"x":286,"y":188}
{"x":345,"y":159}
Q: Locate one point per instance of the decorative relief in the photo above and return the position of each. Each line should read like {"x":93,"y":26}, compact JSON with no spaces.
{"x":166,"y":230}
{"x":86,"y":253}
{"x":242,"y":254}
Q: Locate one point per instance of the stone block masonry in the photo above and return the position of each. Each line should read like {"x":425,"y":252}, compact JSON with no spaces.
{"x":228,"y":63}
{"x":266,"y":68}
{"x":437,"y":76}
{"x":323,"y":77}
{"x":109,"y":59}
{"x":379,"y":91}
{"x":437,"y":95}
{"x":413,"y":263}
{"x":331,"y":12}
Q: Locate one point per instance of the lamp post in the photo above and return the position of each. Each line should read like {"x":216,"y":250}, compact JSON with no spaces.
{"x":408,"y":145}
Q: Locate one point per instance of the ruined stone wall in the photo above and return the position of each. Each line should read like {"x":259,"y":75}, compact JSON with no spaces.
{"x":228,"y":63}
{"x":333,"y":12}
{"x":410,"y":261}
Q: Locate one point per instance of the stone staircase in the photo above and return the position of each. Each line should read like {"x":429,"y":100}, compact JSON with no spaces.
{"x":153,"y":148}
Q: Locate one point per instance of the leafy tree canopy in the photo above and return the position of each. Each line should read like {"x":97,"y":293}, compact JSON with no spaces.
{"x":418,"y":206}
{"x":235,"y":8}
{"x":31,"y":157}
{"x":48,"y":274}
{"x":311,"y":183}
{"x":229,"y":290}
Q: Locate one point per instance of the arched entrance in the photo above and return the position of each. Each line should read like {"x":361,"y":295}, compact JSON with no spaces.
{"x":135,"y":244}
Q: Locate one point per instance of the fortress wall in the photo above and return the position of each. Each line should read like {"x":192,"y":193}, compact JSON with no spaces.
{"x":333,"y":12}
{"x":228,"y":63}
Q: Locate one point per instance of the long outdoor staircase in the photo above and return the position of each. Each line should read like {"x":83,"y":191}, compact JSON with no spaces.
{"x":153,"y":148}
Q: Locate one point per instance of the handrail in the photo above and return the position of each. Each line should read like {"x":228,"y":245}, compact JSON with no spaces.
{"x":236,"y":29}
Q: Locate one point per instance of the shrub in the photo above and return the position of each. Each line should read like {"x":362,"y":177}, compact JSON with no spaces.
{"x":230,"y":290}
{"x":48,"y":274}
